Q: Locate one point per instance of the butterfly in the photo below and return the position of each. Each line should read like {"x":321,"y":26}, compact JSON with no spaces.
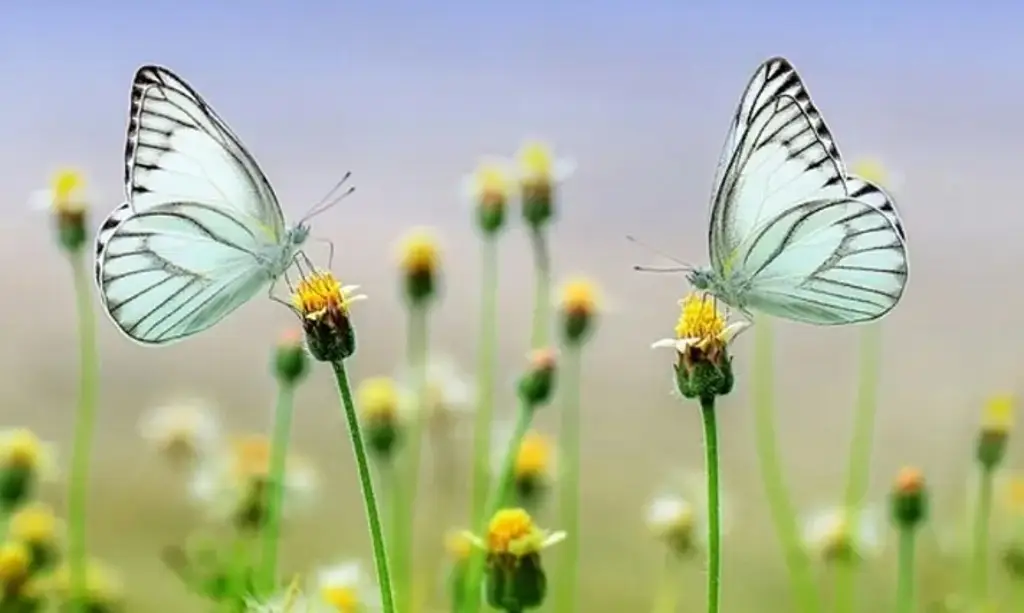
{"x":792,"y":233}
{"x":201,"y":231}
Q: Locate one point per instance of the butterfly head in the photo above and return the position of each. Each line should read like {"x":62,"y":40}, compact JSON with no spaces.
{"x":702,"y":279}
{"x":298,"y":235}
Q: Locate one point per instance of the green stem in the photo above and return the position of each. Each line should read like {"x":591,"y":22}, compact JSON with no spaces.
{"x":275,"y":503}
{"x":979,"y":561}
{"x":486,"y":356}
{"x":85,"y":421}
{"x":499,"y":496}
{"x":665,"y":600}
{"x":380,"y":554}
{"x":906,"y":577}
{"x":408,"y":485}
{"x":797,"y":561}
{"x":569,"y":489}
{"x":859,"y":463}
{"x":714,"y":588}
{"x":542,"y":291}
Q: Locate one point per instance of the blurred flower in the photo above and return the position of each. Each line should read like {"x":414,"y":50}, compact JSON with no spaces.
{"x":420,"y":264}
{"x":380,"y":406}
{"x":488,"y":188}
{"x":233,"y":484}
{"x":290,"y":360}
{"x":909,"y":498}
{"x":996,"y":424}
{"x":831,"y":537}
{"x":539,"y":173}
{"x":67,"y":201}
{"x":291,"y":600}
{"x":24,"y":462}
{"x":537,"y":384}
{"x":677,"y":516}
{"x":448,"y":392}
{"x":15,"y":567}
{"x":183,"y":431}
{"x":346,"y":588}
{"x":535,"y":467}
{"x":323,"y":305}
{"x":104,"y":589}
{"x":579,"y":305}
{"x":38,"y":528}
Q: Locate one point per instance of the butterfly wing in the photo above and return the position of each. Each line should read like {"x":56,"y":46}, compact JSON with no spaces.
{"x":179,"y":150}
{"x":780,"y":164}
{"x":175,"y":269}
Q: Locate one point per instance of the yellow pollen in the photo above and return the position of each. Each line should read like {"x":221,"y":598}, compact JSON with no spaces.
{"x":318,"y":293}
{"x":14,"y":562}
{"x":492,"y":185}
{"x":21,"y":449}
{"x":536,"y":162}
{"x":507,"y":527}
{"x":699,"y":318}
{"x":379,"y":399}
{"x":419,"y":252}
{"x":998,"y":414}
{"x":579,"y":296}
{"x":34,"y":524}
{"x":343,"y":598}
{"x":66,"y":186}
{"x":534,"y":457}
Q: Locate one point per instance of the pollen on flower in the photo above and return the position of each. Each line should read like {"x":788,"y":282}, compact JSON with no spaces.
{"x":579,"y":296}
{"x":536,"y":162}
{"x":534,"y":456}
{"x":317,"y":293}
{"x":512,"y":531}
{"x":21,"y":448}
{"x":342,"y":598}
{"x":34,"y":524}
{"x":15,"y":559}
{"x":66,"y":187}
{"x":419,"y":252}
{"x":699,"y":318}
{"x":998,"y":414}
{"x":379,"y":399}
{"x":491,"y":184}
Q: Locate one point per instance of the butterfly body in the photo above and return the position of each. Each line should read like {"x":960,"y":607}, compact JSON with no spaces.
{"x":201,"y":232}
{"x":792,"y":234}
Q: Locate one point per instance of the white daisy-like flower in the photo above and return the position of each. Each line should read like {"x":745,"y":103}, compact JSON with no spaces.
{"x":829,"y":535}
{"x":678,"y":515}
{"x":538,"y":164}
{"x":184,"y":431}
{"x":346,"y":588}
{"x":491,"y":181}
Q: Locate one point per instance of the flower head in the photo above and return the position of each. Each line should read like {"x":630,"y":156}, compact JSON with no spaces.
{"x":871,"y":169}
{"x":345,"y":588}
{"x":539,"y":172}
{"x":578,"y":307}
{"x":323,"y":305}
{"x":909,"y":498}
{"x":24,"y":461}
{"x":488,"y":188}
{"x":290,"y":360}
{"x":37,"y":527}
{"x":997,"y":421}
{"x":534,"y":466}
{"x":833,"y":537}
{"x":66,"y":200}
{"x":380,"y":407}
{"x":183,"y":431}
{"x":15,"y":565}
{"x":419,"y":260}
{"x":537,"y":385}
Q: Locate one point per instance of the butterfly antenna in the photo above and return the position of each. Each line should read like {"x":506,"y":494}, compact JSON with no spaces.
{"x":682,"y":266}
{"x":333,"y":197}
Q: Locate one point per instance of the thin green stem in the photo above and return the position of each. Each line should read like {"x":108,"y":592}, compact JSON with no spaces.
{"x":668,"y":590}
{"x":500,"y":494}
{"x":569,"y":489}
{"x":714,"y":588}
{"x":982,"y":519}
{"x":907,"y":573}
{"x":542,"y":290}
{"x":486,"y":357}
{"x":85,"y":421}
{"x":798,"y":563}
{"x":380,"y":553}
{"x":276,"y":492}
{"x":408,"y":485}
{"x":859,"y":464}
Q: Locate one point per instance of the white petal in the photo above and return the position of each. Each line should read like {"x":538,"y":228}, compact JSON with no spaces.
{"x":733,"y":330}
{"x":553,"y":538}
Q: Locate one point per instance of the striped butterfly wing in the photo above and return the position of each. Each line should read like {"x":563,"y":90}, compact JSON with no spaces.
{"x":771,"y":231}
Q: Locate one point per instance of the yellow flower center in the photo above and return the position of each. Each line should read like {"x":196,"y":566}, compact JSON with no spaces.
{"x":22,"y":449}
{"x":534,"y":455}
{"x":579,"y":296}
{"x":66,"y":187}
{"x":14,"y":562}
{"x":343,"y":598}
{"x":699,"y":318}
{"x":508,"y":529}
{"x":419,"y":252}
{"x":317,"y":293}
{"x":34,"y":524}
{"x":379,"y":399}
{"x":998,"y":414}
{"x":492,"y":184}
{"x":536,"y":162}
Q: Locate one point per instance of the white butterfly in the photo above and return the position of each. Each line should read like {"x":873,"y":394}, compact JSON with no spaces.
{"x":202,"y":231}
{"x":792,"y":234}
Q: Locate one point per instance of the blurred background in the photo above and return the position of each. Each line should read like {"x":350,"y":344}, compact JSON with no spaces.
{"x":408,"y":96}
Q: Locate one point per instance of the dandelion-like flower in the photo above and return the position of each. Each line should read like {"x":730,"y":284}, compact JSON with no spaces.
{"x":346,"y":588}
{"x":909,"y":499}
{"x":513,"y":544}
{"x":420,"y":262}
{"x":234,"y":484}
{"x":323,"y":303}
{"x":184,"y":431}
{"x":488,"y":188}
{"x":578,"y":308}
{"x":380,"y":407}
{"x":15,"y":567}
{"x":533,"y":470}
{"x":25,"y":460}
{"x":67,"y":202}
{"x":104,"y":589}
{"x":997,"y":421}
{"x":539,"y":173}
{"x":834,"y":538}
{"x":677,"y":516}
{"x":537,"y":385}
{"x":704,"y":367}
{"x":37,"y":527}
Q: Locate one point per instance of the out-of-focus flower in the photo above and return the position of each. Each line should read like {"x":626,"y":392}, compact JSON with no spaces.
{"x":909,"y":499}
{"x":420,"y":263}
{"x":104,"y":588}
{"x":540,"y":171}
{"x":996,"y":424}
{"x":15,"y":567}
{"x":448,"y":394}
{"x":25,"y":460}
{"x":38,"y":528}
{"x":677,"y":516}
{"x":537,"y":385}
{"x":346,"y":588}
{"x":380,"y":410}
{"x":873,"y":170}
{"x":184,"y":431}
{"x":323,"y":305}
{"x":489,"y":188}
{"x":534,"y":470}
{"x":578,"y":307}
{"x":233,"y":485}
{"x":832,"y":537}
{"x":67,"y":201}
{"x":290,"y":360}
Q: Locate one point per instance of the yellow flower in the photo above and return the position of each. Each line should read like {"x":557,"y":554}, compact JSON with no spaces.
{"x":15,"y":559}
{"x":419,"y":252}
{"x":534,"y":457}
{"x":345,"y":588}
{"x":512,"y":532}
{"x":21,"y":449}
{"x":35,"y":524}
{"x":998,"y":414}
{"x":579,"y":295}
{"x":320,"y":293}
{"x":104,"y":588}
{"x":701,"y":325}
{"x":458,"y":545}
{"x":489,"y":186}
{"x":538,"y":164}
{"x":379,"y":399}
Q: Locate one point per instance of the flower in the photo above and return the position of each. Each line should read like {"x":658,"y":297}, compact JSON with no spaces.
{"x":66,"y":200}
{"x":233,"y":484}
{"x":15,"y":561}
{"x":36,"y":526}
{"x":290,"y":360}
{"x":677,"y":516}
{"x":345,"y":588}
{"x":539,"y":172}
{"x":578,"y":307}
{"x":24,"y":462}
{"x":448,"y":394}
{"x":459,"y":545}
{"x":909,"y":498}
{"x":184,"y":431}
{"x":996,"y":423}
{"x":323,"y":303}
{"x":534,"y":466}
{"x":104,"y":589}
{"x":537,"y":385}
{"x":830,"y":535}
{"x":380,"y":407}
{"x":419,"y":260}
{"x":704,"y":368}
{"x":488,"y":188}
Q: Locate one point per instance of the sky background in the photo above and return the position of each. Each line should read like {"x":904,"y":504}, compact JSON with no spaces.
{"x":409,"y":95}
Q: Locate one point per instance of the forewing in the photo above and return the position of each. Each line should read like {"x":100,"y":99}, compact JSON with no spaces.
{"x":179,"y":150}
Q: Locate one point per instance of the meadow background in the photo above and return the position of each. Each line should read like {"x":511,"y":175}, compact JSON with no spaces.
{"x":408,"y":96}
